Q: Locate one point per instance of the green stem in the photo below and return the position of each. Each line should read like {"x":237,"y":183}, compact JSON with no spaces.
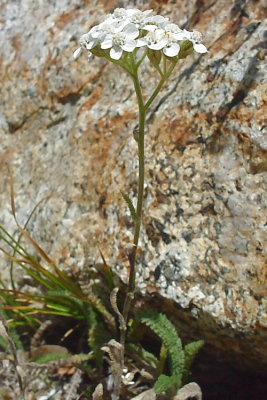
{"x":132,"y":258}
{"x":141,"y":59}
{"x":141,"y":178}
{"x":161,"y":83}
{"x":141,"y":158}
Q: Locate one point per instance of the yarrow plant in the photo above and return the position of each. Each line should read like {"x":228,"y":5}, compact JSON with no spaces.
{"x":127,"y":37}
{"x":128,"y":30}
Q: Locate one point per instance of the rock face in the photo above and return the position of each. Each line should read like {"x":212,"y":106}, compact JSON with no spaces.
{"x":66,"y":130}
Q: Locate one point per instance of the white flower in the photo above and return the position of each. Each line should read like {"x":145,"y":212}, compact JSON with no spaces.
{"x":171,"y":49}
{"x":97,"y":35}
{"x":119,"y":41}
{"x":154,"y":40}
{"x":172,"y":33}
{"x":118,"y":19}
{"x":195,"y":37}
{"x":122,"y":29}
{"x":158,"y":20}
{"x":87,"y":41}
{"x":120,"y":13}
{"x":166,"y":39}
{"x":84,"y":39}
{"x":139,"y":18}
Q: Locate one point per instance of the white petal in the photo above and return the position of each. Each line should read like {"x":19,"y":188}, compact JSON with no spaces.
{"x":129,"y":46}
{"x":187,"y":34}
{"x":115,"y":53}
{"x":155,"y":46}
{"x":199,"y":48}
{"x":91,"y":44}
{"x":158,"y":45}
{"x":172,"y":50}
{"x":131,"y":11}
{"x":158,"y":19}
{"x":119,"y":25}
{"x":131,"y":31}
{"x":150,"y":28}
{"x":148,"y":12}
{"x":94,"y":32}
{"x":106,"y":44}
{"x":141,"y":42}
{"x":109,"y":19}
{"x":179,"y":36}
{"x":77,"y":53}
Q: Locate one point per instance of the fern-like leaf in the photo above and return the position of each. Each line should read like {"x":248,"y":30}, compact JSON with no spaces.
{"x":165,"y":382}
{"x":46,"y":358}
{"x":130,"y":205}
{"x":97,"y":336}
{"x":160,"y":324}
{"x":190,"y":351}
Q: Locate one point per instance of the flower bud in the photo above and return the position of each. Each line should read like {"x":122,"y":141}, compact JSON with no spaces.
{"x":186,"y":48}
{"x":154,"y":57}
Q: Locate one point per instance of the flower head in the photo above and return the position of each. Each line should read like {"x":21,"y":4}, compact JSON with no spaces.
{"x":127,"y":29}
{"x":119,"y":41}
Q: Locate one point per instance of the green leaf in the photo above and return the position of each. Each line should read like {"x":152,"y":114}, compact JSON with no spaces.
{"x":190,"y":351}
{"x":165,"y":382}
{"x":45,"y":358}
{"x":160,"y":324}
{"x":130,"y":205}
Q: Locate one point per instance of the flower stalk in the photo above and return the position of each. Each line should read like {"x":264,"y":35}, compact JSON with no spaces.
{"x":141,"y":179}
{"x":119,"y":39}
{"x":140,"y":139}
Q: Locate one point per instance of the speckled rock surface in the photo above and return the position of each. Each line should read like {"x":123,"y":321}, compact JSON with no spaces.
{"x":66,"y":129}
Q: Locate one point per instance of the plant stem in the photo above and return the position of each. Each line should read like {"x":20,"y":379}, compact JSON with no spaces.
{"x":143,"y":107}
{"x":141,"y":178}
{"x":161,"y":83}
{"x":132,"y":258}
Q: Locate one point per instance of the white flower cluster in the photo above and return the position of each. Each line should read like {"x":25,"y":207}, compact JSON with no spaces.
{"x":126,"y":30}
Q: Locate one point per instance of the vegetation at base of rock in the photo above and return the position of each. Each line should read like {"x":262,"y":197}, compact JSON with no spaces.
{"x":180,"y":360}
{"x":101,"y":327}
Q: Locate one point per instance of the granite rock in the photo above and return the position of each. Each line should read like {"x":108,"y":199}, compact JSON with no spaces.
{"x":66,"y":129}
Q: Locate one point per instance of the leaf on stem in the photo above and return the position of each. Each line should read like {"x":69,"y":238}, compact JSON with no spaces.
{"x":107,"y":270}
{"x":130,"y":205}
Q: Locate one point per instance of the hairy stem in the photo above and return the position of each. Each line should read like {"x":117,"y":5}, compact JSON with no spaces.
{"x":143,"y":107}
{"x":161,"y":83}
{"x":141,"y":178}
